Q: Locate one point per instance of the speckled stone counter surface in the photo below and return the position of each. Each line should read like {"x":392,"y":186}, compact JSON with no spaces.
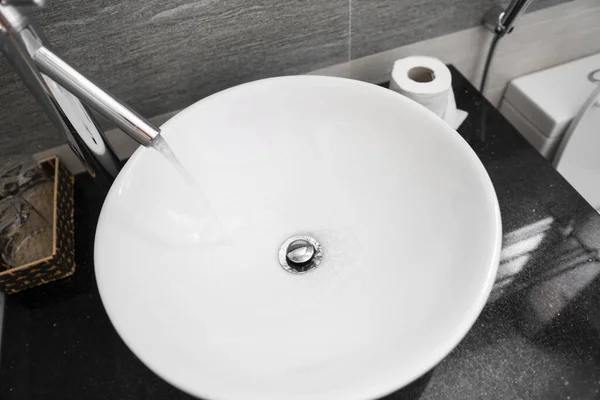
{"x":537,"y":338}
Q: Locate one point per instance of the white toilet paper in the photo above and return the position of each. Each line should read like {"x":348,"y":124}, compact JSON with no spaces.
{"x":427,"y":81}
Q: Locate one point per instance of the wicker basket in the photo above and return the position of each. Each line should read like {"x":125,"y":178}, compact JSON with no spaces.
{"x":61,"y":263}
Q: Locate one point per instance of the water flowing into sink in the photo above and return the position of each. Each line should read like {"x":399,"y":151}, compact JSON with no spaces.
{"x":207,"y":226}
{"x":160,"y":144}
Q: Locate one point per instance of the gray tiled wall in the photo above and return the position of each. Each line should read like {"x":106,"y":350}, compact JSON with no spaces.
{"x":160,"y":56}
{"x":379,"y":25}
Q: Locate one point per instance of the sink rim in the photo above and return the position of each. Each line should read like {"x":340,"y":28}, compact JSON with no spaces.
{"x":392,"y":385}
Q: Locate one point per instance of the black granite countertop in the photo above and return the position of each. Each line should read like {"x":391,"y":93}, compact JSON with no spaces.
{"x":537,"y":338}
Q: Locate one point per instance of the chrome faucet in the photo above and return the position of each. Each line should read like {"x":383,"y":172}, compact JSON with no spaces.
{"x":65,"y":94}
{"x":501,"y":21}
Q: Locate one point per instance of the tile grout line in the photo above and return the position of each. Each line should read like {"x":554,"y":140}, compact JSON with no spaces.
{"x":349,"y":30}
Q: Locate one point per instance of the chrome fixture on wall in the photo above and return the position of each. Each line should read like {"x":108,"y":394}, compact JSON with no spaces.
{"x":499,"y":21}
{"x":502,"y":21}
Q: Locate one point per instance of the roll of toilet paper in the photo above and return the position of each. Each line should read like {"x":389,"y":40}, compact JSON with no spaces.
{"x":427,"y":81}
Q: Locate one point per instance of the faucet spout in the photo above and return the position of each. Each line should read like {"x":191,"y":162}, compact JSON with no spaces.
{"x":109,"y":107}
{"x":65,"y":94}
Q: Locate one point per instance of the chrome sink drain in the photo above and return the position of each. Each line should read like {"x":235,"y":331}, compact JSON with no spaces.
{"x":300,"y":254}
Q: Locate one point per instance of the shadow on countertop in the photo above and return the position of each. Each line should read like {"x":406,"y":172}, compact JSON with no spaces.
{"x":539,"y":335}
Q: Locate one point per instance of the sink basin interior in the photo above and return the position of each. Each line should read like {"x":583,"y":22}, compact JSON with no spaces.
{"x":404,"y":211}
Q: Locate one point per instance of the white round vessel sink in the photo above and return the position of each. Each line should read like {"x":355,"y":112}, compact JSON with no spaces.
{"x":338,"y":242}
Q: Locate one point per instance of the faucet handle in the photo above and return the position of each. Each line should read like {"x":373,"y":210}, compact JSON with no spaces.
{"x":24,"y":3}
